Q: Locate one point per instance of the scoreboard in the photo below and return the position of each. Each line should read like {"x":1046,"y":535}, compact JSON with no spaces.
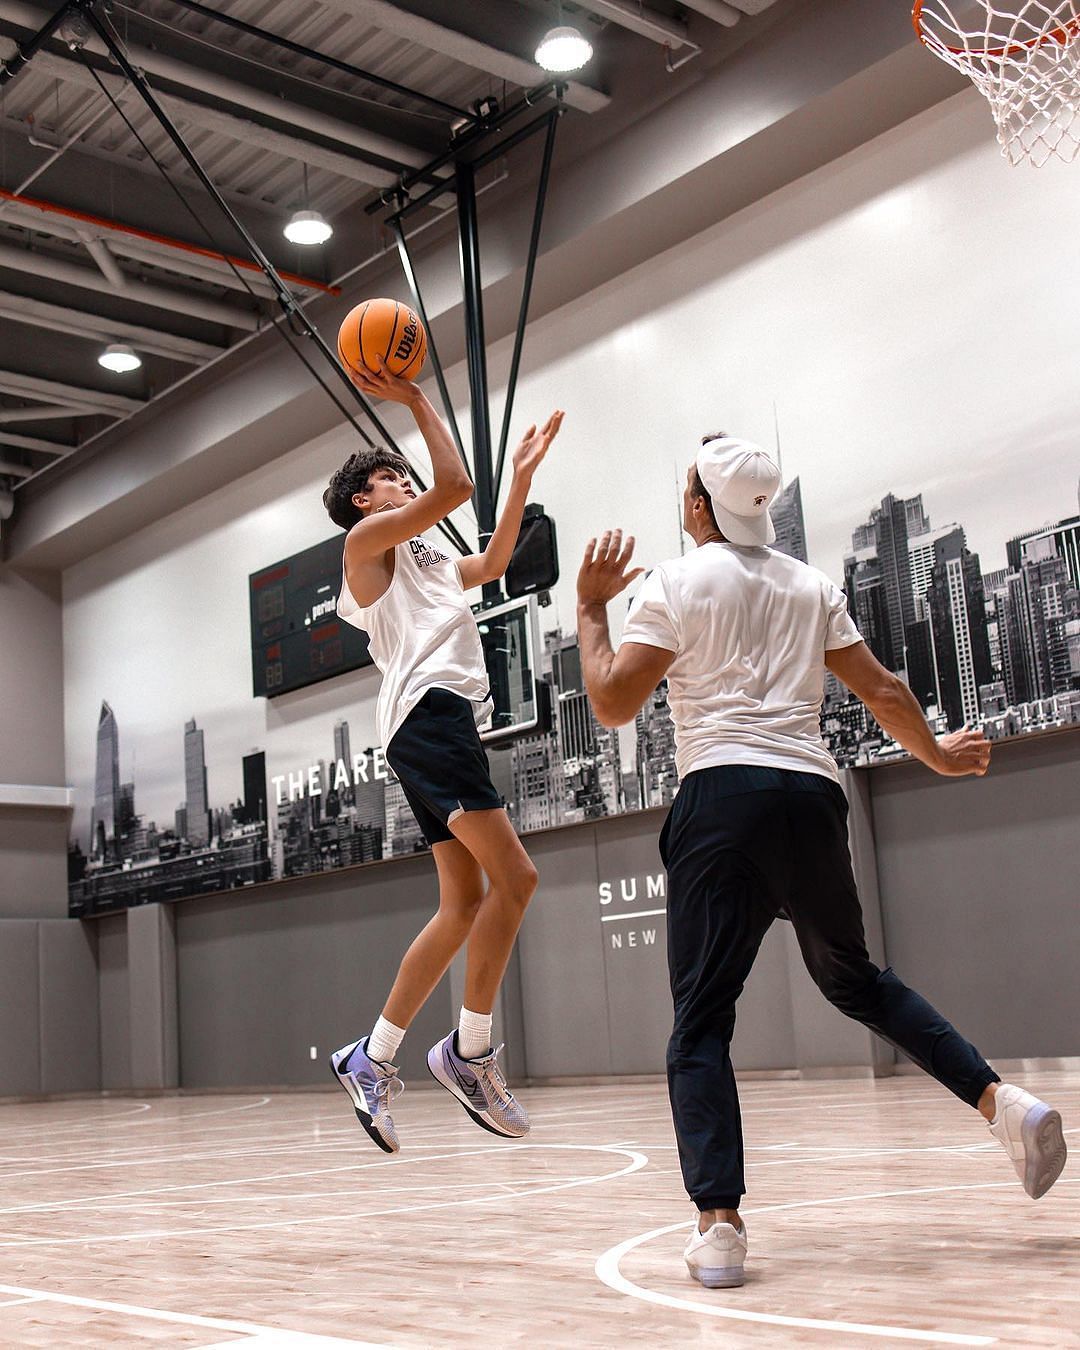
{"x":297,"y":638}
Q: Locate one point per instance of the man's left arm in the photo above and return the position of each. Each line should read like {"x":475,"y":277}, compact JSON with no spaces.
{"x":617,"y":683}
{"x":477,"y":568}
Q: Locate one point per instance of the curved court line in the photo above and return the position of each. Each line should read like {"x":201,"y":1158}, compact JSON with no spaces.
{"x":249,"y":1329}
{"x":461,"y":1151}
{"x":608,"y":1272}
{"x":636,"y":1163}
{"x":181,"y":1118}
{"x":89,"y":1123}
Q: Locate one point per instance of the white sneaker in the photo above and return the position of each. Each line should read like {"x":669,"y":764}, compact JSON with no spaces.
{"x":715,"y":1258}
{"x":1031,"y":1133}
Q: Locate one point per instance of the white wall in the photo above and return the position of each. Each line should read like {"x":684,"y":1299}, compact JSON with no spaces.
{"x":907,"y":315}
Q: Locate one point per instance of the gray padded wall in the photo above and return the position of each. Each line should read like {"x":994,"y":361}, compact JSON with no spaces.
{"x":20,"y":1055}
{"x":114,"y":1002}
{"x":33,"y":842}
{"x":979,"y":890}
{"x":70,"y":1039}
{"x":263,"y":977}
{"x":48,"y":975}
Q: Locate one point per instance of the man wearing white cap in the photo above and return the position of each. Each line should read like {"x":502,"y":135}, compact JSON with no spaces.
{"x":758,"y":830}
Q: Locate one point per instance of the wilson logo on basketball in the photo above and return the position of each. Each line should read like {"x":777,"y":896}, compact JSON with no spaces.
{"x":408,"y":338}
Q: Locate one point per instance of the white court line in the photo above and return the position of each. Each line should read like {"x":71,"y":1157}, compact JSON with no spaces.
{"x":636,"y":1163}
{"x":607,"y":1270}
{"x":88,"y":1123}
{"x":274,"y":1335}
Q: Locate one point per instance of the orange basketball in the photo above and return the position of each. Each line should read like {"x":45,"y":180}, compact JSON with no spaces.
{"x":383,"y":328}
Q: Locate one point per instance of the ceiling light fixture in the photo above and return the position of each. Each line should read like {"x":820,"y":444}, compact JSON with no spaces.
{"x":308,"y":227}
{"x":119,"y":358}
{"x":563,"y":49}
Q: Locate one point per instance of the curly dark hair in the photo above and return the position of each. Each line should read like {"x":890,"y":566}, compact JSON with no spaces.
{"x":355,"y":476}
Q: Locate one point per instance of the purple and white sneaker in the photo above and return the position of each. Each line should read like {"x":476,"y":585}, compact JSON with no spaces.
{"x":479,"y":1086}
{"x":371,"y":1086}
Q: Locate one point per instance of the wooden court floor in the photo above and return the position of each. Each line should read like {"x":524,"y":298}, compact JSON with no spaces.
{"x":878,"y":1213}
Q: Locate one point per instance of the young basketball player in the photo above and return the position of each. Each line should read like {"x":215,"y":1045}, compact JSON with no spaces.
{"x":409,"y":597}
{"x":744,"y":634}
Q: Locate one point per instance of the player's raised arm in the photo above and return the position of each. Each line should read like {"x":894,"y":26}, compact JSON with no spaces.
{"x":490,"y":565}
{"x":401,"y":516}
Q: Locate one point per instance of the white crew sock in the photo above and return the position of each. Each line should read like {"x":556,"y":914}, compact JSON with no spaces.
{"x":474,"y":1034}
{"x":384,"y":1040}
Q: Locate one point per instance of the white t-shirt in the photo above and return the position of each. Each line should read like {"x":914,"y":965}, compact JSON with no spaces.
{"x":421,"y":635}
{"x":750,"y":628}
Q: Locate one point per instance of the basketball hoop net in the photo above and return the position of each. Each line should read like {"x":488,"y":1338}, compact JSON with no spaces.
{"x":1025,"y":61}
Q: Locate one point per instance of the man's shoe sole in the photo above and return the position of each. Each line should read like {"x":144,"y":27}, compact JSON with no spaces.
{"x":1044,"y":1149}
{"x":718,"y":1277}
{"x":362,"y":1115}
{"x":456,"y":1092}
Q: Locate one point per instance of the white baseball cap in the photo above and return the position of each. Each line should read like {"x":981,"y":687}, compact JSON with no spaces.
{"x":742,"y":481}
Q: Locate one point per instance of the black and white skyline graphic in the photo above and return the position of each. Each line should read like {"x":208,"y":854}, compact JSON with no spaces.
{"x":999,"y":649}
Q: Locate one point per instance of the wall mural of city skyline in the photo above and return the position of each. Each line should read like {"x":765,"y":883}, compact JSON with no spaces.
{"x":999,"y":649}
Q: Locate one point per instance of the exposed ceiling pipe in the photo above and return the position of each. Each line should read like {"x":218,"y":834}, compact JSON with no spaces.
{"x":716,"y":10}
{"x":180,"y":263}
{"x":241,"y":129}
{"x":77,"y":323}
{"x":46,"y":413}
{"x":107,"y":264}
{"x":36,"y":209}
{"x":396,"y":19}
{"x":641,"y":20}
{"x":242,"y":95}
{"x":141,"y":292}
{"x":52,"y":391}
{"x":103,"y":107}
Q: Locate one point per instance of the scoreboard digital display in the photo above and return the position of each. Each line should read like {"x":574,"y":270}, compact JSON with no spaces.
{"x":297,"y":638}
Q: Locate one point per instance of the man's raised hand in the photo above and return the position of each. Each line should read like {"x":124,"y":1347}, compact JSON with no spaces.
{"x":603,"y":571}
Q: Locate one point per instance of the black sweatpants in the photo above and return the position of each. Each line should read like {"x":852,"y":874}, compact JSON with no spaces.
{"x":743,"y":845}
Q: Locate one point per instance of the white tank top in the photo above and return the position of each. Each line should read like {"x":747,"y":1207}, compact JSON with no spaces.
{"x":422,"y":635}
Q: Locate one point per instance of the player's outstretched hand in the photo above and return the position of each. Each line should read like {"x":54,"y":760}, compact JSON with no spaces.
{"x":963,"y":752}
{"x":533,"y":446}
{"x":382,"y":384}
{"x":603,"y":571}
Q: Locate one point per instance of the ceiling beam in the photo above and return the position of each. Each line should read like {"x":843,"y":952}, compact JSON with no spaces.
{"x":46,"y":413}
{"x":52,"y":391}
{"x":396,"y":19}
{"x":64,"y":222}
{"x":9,"y":470}
{"x":240,"y":95}
{"x":61,"y":319}
{"x":34,"y":443}
{"x":241,"y":129}
{"x":640,"y":19}
{"x":103,"y":244}
{"x":157,"y":297}
{"x":719,"y":11}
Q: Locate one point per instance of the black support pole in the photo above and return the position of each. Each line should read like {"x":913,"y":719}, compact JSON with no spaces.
{"x":25,"y":50}
{"x":288,"y":302}
{"x":476,"y":358}
{"x":440,"y":378}
{"x":526,"y":292}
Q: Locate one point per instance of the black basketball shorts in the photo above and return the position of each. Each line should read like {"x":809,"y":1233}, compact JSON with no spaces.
{"x":440,"y":761}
